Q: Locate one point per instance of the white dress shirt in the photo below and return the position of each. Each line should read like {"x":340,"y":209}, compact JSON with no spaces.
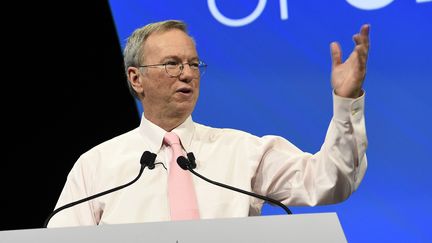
{"x":268,"y":165}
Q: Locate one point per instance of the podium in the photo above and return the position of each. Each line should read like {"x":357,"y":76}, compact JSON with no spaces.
{"x":319,"y":227}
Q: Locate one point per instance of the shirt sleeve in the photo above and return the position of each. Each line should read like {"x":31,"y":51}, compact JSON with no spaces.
{"x":294,"y":177}
{"x":77,"y":187}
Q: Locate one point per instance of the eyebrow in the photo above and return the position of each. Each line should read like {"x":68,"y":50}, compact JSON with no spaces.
{"x":178,"y":58}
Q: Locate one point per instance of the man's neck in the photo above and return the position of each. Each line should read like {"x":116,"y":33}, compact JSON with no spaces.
{"x":167,"y":124}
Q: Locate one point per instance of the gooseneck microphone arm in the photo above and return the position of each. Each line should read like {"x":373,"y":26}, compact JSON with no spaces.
{"x":188,"y":164}
{"x":147,"y":159}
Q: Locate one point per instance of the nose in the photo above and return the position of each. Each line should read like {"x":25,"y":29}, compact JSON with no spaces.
{"x":187,"y":74}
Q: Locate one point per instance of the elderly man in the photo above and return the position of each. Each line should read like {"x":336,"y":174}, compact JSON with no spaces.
{"x":164,"y":70}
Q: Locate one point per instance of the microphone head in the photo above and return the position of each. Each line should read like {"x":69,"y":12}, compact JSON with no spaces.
{"x":191,"y":158}
{"x":183,"y":162}
{"x":148,"y":159}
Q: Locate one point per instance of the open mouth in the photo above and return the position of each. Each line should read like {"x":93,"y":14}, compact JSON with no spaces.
{"x":185,"y":90}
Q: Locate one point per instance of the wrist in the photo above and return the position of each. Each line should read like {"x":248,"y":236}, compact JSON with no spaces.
{"x":352,"y":95}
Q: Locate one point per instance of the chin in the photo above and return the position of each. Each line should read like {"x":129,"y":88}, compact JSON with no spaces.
{"x":184,"y":110}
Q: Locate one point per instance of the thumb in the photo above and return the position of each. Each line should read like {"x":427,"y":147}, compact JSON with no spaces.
{"x":336,"y":54}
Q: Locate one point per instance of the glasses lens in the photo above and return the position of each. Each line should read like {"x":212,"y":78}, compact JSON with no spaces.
{"x":173,"y":69}
{"x":202,"y":68}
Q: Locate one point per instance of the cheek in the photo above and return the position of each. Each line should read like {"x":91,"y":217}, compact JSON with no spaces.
{"x":159,"y":89}
{"x":197,"y":84}
{"x":155,"y":82}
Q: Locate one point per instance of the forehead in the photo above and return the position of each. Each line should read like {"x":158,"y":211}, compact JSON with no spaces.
{"x":170,"y":43}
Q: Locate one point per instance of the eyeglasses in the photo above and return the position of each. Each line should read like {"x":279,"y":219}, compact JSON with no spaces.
{"x":175,"y":69}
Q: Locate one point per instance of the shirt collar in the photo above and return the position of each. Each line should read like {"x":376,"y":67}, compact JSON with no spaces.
{"x":153,"y":135}
{"x":185,"y":132}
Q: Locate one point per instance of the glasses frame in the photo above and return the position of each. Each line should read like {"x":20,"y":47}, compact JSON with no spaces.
{"x":202,"y":66}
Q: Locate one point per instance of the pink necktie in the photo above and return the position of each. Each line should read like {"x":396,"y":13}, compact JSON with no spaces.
{"x":181,"y":191}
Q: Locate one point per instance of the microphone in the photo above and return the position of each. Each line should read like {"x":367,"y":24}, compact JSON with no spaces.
{"x":191,"y":158}
{"x":189,"y":164}
{"x":147,"y":160}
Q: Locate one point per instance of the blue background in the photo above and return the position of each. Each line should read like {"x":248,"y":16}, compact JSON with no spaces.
{"x":272,"y":76}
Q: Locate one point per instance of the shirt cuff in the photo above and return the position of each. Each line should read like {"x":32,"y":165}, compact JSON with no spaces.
{"x":344,"y":109}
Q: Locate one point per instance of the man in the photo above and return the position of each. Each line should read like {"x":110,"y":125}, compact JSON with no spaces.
{"x":163,"y":69}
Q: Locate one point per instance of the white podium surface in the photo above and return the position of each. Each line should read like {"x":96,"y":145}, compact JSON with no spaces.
{"x":320,"y":227}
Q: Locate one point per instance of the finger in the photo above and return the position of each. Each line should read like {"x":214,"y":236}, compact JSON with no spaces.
{"x":363,"y":36}
{"x":357,"y":39}
{"x":336,"y":54}
{"x":361,"y":40}
{"x":361,"y":50}
{"x":360,"y":53}
{"x":365,"y":29}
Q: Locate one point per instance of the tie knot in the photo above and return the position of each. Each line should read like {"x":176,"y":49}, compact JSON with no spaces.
{"x":171,"y":138}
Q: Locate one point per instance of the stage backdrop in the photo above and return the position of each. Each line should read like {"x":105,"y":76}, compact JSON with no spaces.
{"x":269,"y":73}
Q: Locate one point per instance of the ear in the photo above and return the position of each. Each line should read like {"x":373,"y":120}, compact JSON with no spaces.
{"x":135,"y":79}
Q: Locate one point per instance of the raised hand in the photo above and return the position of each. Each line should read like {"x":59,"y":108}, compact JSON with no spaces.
{"x":347,"y":77}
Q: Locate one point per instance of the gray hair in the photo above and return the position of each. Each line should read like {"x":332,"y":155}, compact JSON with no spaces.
{"x":133,"y":52}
